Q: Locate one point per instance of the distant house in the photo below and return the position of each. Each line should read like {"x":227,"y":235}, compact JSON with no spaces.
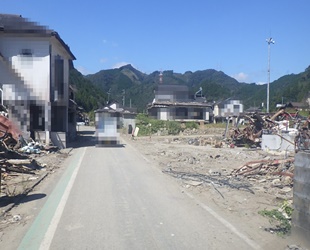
{"x":228,"y":108}
{"x":298,"y":105}
{"x":34,"y":76}
{"x":127,"y":116}
{"x":253,"y":110}
{"x":172,"y":102}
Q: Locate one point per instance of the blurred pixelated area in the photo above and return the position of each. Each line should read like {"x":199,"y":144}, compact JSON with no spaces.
{"x":34,"y":78}
{"x":112,"y":120}
{"x":107,"y":128}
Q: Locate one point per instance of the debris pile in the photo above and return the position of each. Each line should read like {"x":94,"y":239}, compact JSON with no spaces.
{"x":257,"y":125}
{"x":18,"y":159}
{"x":17,"y":170}
{"x":302,"y":140}
{"x":281,"y":167}
{"x":204,"y":141}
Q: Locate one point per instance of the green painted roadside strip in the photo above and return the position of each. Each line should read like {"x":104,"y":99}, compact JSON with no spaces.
{"x":38,"y":229}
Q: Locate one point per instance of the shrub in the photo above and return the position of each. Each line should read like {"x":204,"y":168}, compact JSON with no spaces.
{"x":280,"y":217}
{"x":191,"y":125}
{"x":142,"y":119}
{"x":173,"y":127}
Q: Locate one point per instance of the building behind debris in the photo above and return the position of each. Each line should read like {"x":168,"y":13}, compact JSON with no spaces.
{"x":172,"y":102}
{"x":34,"y":76}
{"x":228,"y":108}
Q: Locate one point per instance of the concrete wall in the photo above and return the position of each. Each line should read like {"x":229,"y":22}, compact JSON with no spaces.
{"x":282,"y":142}
{"x":129,"y":120}
{"x":301,"y":200}
{"x":58,"y":138}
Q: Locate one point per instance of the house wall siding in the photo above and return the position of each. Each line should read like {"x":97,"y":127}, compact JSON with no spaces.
{"x":31,"y":70}
{"x":27,"y":76}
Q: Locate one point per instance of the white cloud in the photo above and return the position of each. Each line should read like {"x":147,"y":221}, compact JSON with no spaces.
{"x":83,"y":70}
{"x":103,"y":60}
{"x":260,"y":83}
{"x":241,"y":77}
{"x":109,"y":43}
{"x":119,"y":64}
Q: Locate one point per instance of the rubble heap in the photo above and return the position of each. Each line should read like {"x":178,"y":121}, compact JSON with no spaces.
{"x":258,"y":125}
{"x":19,"y":163}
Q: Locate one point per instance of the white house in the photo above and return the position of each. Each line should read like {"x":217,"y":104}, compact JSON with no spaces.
{"x":229,"y":107}
{"x":172,"y":102}
{"x":34,"y":77}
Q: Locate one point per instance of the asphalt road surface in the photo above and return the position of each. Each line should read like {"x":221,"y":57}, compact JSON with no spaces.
{"x":114,"y":198}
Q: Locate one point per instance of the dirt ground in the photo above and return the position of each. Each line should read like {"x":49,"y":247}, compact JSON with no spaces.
{"x":203,"y":166}
{"x":15,"y":186}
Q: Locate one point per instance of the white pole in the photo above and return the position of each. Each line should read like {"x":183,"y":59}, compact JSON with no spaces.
{"x":269,"y":41}
{"x":1,"y":96}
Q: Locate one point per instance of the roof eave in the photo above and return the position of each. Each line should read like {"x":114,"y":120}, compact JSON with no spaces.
{"x":41,"y":34}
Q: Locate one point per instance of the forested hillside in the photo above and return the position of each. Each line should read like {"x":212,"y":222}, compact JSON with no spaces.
{"x":138,"y":88}
{"x":87,"y":95}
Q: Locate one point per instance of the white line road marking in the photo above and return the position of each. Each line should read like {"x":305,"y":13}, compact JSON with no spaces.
{"x":250,"y":242}
{"x":49,"y":235}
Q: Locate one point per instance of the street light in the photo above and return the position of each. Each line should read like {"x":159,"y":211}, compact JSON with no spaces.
{"x":269,"y":41}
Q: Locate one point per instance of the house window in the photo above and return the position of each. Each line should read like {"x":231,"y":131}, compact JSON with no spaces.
{"x":181,"y":113}
{"x":26,"y":58}
{"x":59,"y":78}
{"x":26,"y":53}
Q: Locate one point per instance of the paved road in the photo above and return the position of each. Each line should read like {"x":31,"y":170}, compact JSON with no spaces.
{"x":113,"y":198}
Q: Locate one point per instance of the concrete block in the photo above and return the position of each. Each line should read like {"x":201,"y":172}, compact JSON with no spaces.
{"x":301,"y":197}
{"x":278,"y":143}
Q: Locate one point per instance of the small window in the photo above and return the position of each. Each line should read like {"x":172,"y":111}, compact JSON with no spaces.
{"x":26,"y":52}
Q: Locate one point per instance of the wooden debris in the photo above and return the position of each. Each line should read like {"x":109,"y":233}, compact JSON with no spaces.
{"x":263,"y":167}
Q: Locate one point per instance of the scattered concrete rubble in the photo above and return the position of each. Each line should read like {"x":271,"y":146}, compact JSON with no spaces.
{"x":20,"y":176}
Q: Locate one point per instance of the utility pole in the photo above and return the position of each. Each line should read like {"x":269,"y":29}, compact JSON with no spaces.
{"x":124,"y":97}
{"x":269,"y":41}
{"x":109,"y":92}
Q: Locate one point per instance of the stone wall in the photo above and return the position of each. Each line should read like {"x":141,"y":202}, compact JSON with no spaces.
{"x":301,"y":200}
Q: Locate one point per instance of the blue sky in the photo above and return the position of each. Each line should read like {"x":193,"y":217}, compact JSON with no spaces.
{"x":179,"y":35}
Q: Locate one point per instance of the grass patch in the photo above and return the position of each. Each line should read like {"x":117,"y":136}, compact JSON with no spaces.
{"x":279,"y":218}
{"x":148,"y":126}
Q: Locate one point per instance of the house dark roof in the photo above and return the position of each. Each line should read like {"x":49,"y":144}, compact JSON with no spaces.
{"x":166,"y":88}
{"x":16,"y":24}
{"x":179,"y":104}
{"x":297,"y":105}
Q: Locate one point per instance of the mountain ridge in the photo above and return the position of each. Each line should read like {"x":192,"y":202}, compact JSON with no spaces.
{"x":139,"y":87}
